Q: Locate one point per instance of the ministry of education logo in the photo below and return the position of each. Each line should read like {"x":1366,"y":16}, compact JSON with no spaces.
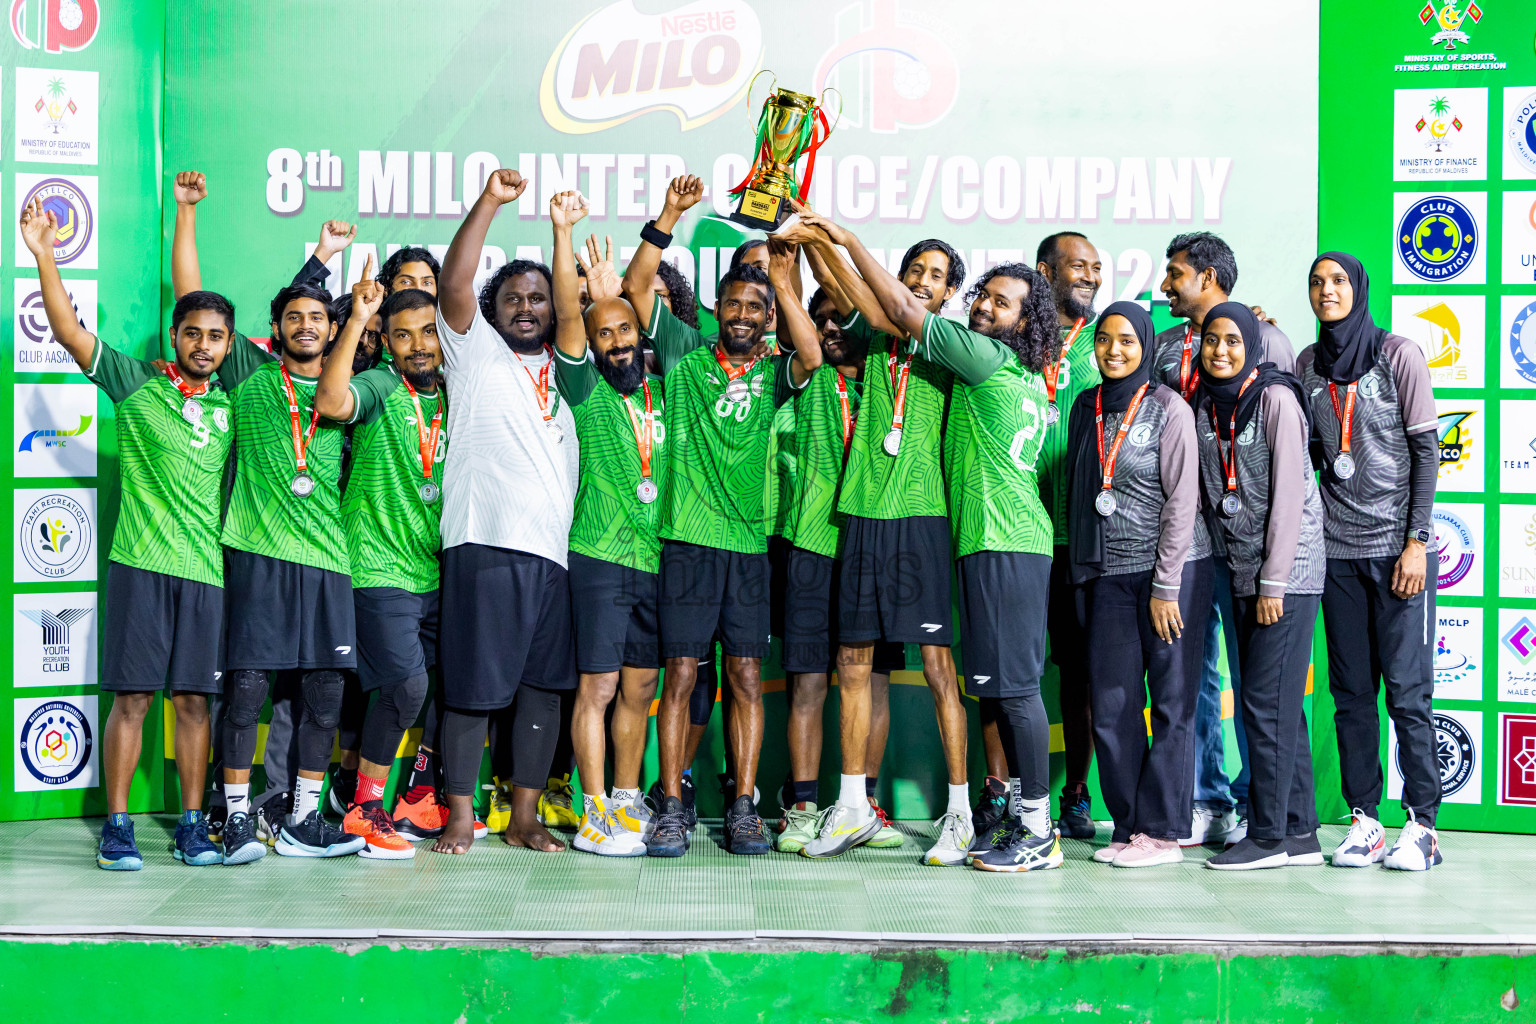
{"x":71,"y":211}
{"x":56,"y":743}
{"x":1437,"y":238}
{"x":1455,"y":547}
{"x":55,"y":536}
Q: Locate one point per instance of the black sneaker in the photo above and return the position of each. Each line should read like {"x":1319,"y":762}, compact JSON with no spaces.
{"x":670,"y":833}
{"x":343,"y":789}
{"x":313,"y":836}
{"x":218,"y":813}
{"x":1250,"y":855}
{"x":1076,"y":815}
{"x":240,"y":843}
{"x":1023,"y":851}
{"x":1000,"y":832}
{"x":690,"y":807}
{"x":268,"y":818}
{"x":1303,"y":851}
{"x":992,"y":808}
{"x":745,"y":833}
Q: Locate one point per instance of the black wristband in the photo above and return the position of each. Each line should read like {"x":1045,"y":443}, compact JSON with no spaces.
{"x":657,"y":237}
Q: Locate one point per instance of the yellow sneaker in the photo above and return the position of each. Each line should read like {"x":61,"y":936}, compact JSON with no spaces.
{"x":498,"y":813}
{"x":555,"y":809}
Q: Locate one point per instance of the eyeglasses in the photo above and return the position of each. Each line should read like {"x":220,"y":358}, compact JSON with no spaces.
{"x":373,"y":337}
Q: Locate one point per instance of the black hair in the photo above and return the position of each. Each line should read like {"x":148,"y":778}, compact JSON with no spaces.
{"x":744,"y":248}
{"x":509,"y":269}
{"x":1050,"y":246}
{"x":817,"y":298}
{"x":751,"y":275}
{"x":404,"y":299}
{"x":1202,"y":249}
{"x":410,"y":254}
{"x":362,"y":359}
{"x":956,"y":276}
{"x":294,"y":292}
{"x":685,"y":305}
{"x":194,"y":301}
{"x":1035,"y":338}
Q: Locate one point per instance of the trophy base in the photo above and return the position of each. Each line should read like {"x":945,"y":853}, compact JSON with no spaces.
{"x":760,"y":210}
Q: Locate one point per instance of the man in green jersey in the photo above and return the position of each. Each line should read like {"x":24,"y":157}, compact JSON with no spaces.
{"x":615,"y":554}
{"x":165,"y":578}
{"x":1071,"y":264}
{"x":895,"y":581}
{"x":289,"y":606}
{"x":721,"y":400}
{"x":392,"y":509}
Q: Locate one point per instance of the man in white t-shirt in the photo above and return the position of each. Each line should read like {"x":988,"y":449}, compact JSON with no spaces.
{"x":508,"y":491}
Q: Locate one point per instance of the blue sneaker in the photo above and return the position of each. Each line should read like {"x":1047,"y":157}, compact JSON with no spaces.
{"x":117,"y":851}
{"x":193,"y":847}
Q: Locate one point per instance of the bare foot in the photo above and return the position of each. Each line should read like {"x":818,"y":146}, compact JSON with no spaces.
{"x":531,"y":835}
{"x":458,"y":836}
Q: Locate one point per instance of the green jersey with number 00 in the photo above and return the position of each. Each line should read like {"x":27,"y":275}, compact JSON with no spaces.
{"x":172,"y":469}
{"x":265,"y":516}
{"x":815,"y":524}
{"x":611,"y":522}
{"x":1079,"y":372}
{"x":996,"y":425}
{"x":393,"y":536}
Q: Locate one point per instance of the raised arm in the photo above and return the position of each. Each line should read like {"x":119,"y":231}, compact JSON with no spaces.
{"x":335,"y":236}
{"x":37,"y":230}
{"x":565,"y":210}
{"x":189,"y":189}
{"x":456,"y":284}
{"x":333,"y":399}
{"x":794,"y":322}
{"x":682,"y":195}
{"x":883,"y":300}
{"x":825,"y":278}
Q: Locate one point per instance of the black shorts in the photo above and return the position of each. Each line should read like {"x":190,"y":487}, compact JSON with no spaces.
{"x":810,"y":617}
{"x":896,"y":581}
{"x":282,"y":615}
{"x":163,"y":633}
{"x":705,"y":591}
{"x":396,"y":635}
{"x":613,"y":613}
{"x":1003,"y":598}
{"x":506,"y":621}
{"x":778,"y":583}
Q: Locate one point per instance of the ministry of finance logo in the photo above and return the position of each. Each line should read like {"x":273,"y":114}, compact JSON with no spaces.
{"x":55,"y":536}
{"x":56,"y":743}
{"x":1437,"y":238}
{"x":72,"y":212}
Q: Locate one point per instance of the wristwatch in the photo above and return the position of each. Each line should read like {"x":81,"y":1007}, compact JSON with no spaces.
{"x":1422,"y":536}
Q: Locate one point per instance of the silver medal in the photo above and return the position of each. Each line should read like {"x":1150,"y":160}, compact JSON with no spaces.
{"x":192,"y":411}
{"x":430,"y":492}
{"x":1052,"y":414}
{"x":892,"y":442}
{"x":1344,"y":466}
{"x":555,"y":431}
{"x":1231,"y":505}
{"x":646,"y":490}
{"x":738,"y":390}
{"x":303,"y":485}
{"x":1104,"y":504}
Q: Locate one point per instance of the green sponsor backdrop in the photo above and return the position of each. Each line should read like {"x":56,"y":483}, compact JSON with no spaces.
{"x":1418,"y":170}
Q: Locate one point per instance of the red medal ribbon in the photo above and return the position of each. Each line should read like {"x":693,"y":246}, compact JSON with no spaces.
{"x":427,"y":441}
{"x":1346,"y":416}
{"x":645,"y":436}
{"x":1231,"y":467}
{"x":1052,"y":370}
{"x":182,"y":386}
{"x":1108,"y":467}
{"x":300,"y":441}
{"x":842,"y":397}
{"x":732,"y":372}
{"x":541,"y":385}
{"x":1189,"y":375}
{"x":899,"y":377}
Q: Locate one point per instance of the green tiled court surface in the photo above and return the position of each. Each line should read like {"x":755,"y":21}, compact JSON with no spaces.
{"x":1484,"y":893}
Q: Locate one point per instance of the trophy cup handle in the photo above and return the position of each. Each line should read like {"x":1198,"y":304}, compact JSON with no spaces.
{"x":822,"y":102}
{"x":753,"y":84}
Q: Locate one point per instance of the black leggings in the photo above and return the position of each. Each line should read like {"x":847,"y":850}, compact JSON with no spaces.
{"x":393,"y":712}
{"x":354,"y":709}
{"x":320,"y":701}
{"x":1026,"y":738}
{"x":535,"y":724}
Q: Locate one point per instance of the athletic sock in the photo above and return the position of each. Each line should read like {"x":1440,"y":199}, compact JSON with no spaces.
{"x":306,"y":797}
{"x":1014,"y":798}
{"x":237,"y":797}
{"x":1035,"y":814}
{"x":188,"y":817}
{"x":592,"y":805}
{"x":624,"y":797}
{"x":851,"y":793}
{"x":960,"y":800}
{"x":369,"y":789}
{"x":423,"y":770}
{"x":870,"y":782}
{"x":803,"y":792}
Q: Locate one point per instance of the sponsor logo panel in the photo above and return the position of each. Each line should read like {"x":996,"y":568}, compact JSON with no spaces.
{"x":1451,"y":331}
{"x":1457,"y":749}
{"x":1439,"y":237}
{"x":55,"y":534}
{"x":56,"y":116}
{"x":55,"y":639}
{"x":1517,"y":760}
{"x":71,"y":198}
{"x":1458,"y":548}
{"x":1440,"y":134}
{"x":55,"y":743}
{"x":55,"y":430}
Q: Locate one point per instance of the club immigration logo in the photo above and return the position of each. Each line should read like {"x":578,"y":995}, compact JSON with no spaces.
{"x":56,"y":743}
{"x":697,"y":61}
{"x":1517,"y":759}
{"x":1455,"y":547}
{"x":1451,"y":21}
{"x":71,"y":211}
{"x":1437,"y":238}
{"x":1520,"y":131}
{"x":55,"y":536}
{"x":910,"y":78}
{"x":1455,"y":440}
{"x":56,"y":26}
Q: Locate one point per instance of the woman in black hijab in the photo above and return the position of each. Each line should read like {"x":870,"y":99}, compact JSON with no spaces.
{"x":1260,"y":495}
{"x":1373,"y":410}
{"x":1138,"y":544}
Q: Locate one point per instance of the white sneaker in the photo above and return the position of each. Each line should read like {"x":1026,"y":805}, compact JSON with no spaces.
{"x":601,"y":834}
{"x":633,"y":816}
{"x":1238,"y":833}
{"x":1145,"y":852}
{"x":842,"y":828}
{"x":1417,"y":848}
{"x":1209,"y":826}
{"x":956,"y":835}
{"x":1363,"y":845}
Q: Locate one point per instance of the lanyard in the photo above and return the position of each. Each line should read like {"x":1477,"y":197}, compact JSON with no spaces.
{"x":1231,"y":467}
{"x":645,"y":436}
{"x":1053,"y":369}
{"x":1108,"y":467}
{"x":733,"y":372}
{"x":1189,"y":378}
{"x":427,"y":440}
{"x":300,"y":441}
{"x":182,"y":386}
{"x":899,"y":375}
{"x":541,"y":385}
{"x":1347,"y":416}
{"x":842,"y":397}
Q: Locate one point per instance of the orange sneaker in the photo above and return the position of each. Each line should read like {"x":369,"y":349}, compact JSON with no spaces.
{"x":383,"y":842}
{"x":422,"y":817}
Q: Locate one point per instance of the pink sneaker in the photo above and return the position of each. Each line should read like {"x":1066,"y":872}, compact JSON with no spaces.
{"x":1107,"y":854}
{"x":1146,"y":852}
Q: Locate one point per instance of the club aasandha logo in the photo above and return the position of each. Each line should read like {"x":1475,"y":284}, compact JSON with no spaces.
{"x":696,"y":61}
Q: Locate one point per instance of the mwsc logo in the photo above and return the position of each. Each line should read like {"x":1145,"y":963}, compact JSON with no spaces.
{"x":55,"y":26}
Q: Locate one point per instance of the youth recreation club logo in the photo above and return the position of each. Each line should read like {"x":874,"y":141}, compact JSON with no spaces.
{"x":1455,"y":548}
{"x":1437,"y":238}
{"x":56,"y":742}
{"x":55,"y":26}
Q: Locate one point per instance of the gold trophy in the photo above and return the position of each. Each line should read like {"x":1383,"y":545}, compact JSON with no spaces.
{"x":791,"y":125}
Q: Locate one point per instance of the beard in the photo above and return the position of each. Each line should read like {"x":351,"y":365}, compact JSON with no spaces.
{"x":421,"y":380}
{"x":527,"y":348}
{"x":1075,"y":308}
{"x":363,"y":359}
{"x":740,"y":348}
{"x":626,"y":377}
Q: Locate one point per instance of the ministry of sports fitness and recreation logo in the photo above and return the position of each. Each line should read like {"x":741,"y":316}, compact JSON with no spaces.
{"x":55,"y":535}
{"x":1455,"y":439}
{"x":910,"y":79}
{"x":55,"y":26}
{"x":1450,"y":22}
{"x":1455,"y":547}
{"x":56,"y":742}
{"x":53,"y":437}
{"x":1455,"y":754}
{"x":1437,"y":238}
{"x":1521,"y":130}
{"x":72,"y":213}
{"x":616,"y":64}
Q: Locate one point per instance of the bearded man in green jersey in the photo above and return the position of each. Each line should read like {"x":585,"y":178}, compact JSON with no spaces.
{"x":721,"y":401}
{"x":1071,"y":263}
{"x":165,"y":578}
